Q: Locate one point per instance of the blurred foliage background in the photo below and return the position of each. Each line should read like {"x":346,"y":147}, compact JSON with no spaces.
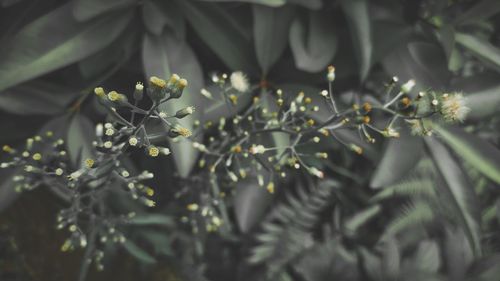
{"x":411,"y":208}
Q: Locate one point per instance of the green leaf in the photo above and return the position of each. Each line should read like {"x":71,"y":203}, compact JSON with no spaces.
{"x":53,"y":41}
{"x":480,"y":154}
{"x":251,"y":202}
{"x":456,"y":191}
{"x":481,"y":10}
{"x":270,"y":30}
{"x":480,"y":48}
{"x":484,"y":103}
{"x":36,"y":97}
{"x":271,"y":3}
{"x":138,"y":253}
{"x":310,"y":4}
{"x":162,"y":56}
{"x":159,"y":14}
{"x":427,"y":257}
{"x":221,"y":33}
{"x":422,"y":61}
{"x":84,"y":10}
{"x":79,"y":140}
{"x":353,"y":223}
{"x":358,"y":19}
{"x":400,"y":156}
{"x":152,"y":219}
{"x":314,"y":43}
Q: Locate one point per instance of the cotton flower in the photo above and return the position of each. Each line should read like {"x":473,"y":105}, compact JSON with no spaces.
{"x":454,"y":108}
{"x":239,"y":81}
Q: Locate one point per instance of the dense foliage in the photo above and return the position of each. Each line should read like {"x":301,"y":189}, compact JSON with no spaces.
{"x":263,"y":162}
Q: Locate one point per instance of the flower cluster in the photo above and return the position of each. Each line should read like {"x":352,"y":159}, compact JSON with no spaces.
{"x":87,"y":185}
{"x":245,"y":144}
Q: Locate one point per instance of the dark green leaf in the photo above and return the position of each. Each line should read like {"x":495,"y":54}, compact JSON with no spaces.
{"x":484,"y":103}
{"x":353,"y":223}
{"x":36,"y":97}
{"x":359,"y":23}
{"x":270,"y":27}
{"x":481,"y":10}
{"x":456,"y":191}
{"x":251,"y":202}
{"x":81,"y":134}
{"x":480,"y":154}
{"x":400,"y":156}
{"x":313,"y":44}
{"x":271,"y":3}
{"x":152,"y":219}
{"x":162,"y":56}
{"x":310,"y":4}
{"x":84,"y":10}
{"x":481,"y":48}
{"x":221,"y":33}
{"x":53,"y":41}
{"x":159,"y":14}
{"x":138,"y":253}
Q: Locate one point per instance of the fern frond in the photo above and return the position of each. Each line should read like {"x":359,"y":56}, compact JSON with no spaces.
{"x":409,"y":188}
{"x":286,"y":232}
{"x":413,"y":214}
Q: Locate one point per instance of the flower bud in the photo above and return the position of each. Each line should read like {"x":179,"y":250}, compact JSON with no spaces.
{"x":139,"y":91}
{"x":157,"y":89}
{"x":184,"y":112}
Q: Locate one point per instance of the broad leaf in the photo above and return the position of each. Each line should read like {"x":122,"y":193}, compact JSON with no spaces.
{"x":84,"y":10}
{"x":221,"y":33}
{"x":159,"y":14}
{"x":271,"y":3}
{"x":152,"y":219}
{"x":400,"y":156}
{"x":79,"y":140}
{"x":483,"y":103}
{"x":358,"y":18}
{"x":53,"y":41}
{"x":456,"y":191}
{"x":313,"y":42}
{"x":251,"y":202}
{"x":483,"y":9}
{"x":162,"y":56}
{"x":36,"y":97}
{"x":270,"y":27}
{"x":482,"y":155}
{"x":480,"y":48}
{"x":138,"y":253}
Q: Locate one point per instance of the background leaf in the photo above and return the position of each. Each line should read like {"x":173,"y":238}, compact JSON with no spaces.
{"x":358,"y":18}
{"x":79,"y":140}
{"x":270,"y":27}
{"x":53,"y":41}
{"x":313,"y":42}
{"x":480,"y":154}
{"x":457,"y":192}
{"x":163,"y":56}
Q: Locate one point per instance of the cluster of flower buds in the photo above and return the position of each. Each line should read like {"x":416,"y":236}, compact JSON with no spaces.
{"x":42,"y":159}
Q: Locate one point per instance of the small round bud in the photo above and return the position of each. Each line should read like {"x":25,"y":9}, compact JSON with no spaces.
{"x":99,"y":91}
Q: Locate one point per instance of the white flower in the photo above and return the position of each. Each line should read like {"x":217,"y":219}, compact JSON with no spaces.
{"x":314,"y":171}
{"x":239,"y":81}
{"x":133,"y":141}
{"x":75,"y":175}
{"x":408,"y":86}
{"x":454,"y":108}
{"x":257,"y":149}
